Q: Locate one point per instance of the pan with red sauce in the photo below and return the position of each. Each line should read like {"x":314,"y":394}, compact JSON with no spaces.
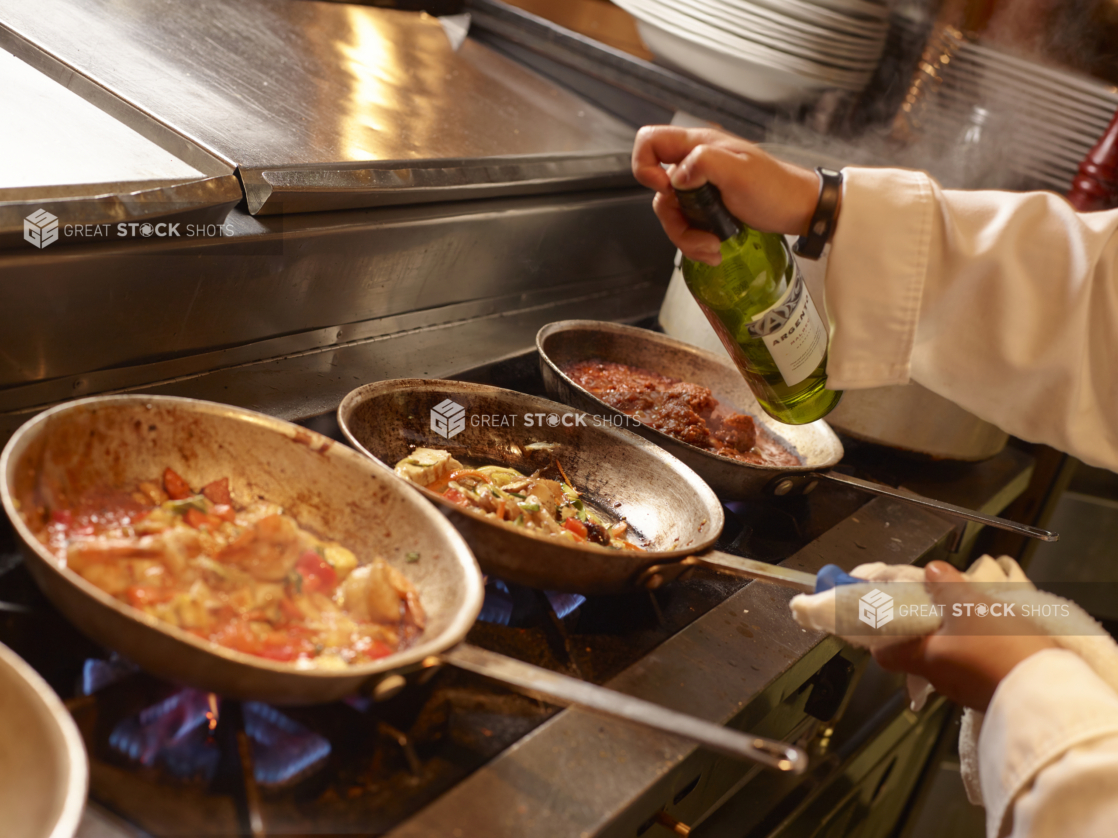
{"x":688,"y":412}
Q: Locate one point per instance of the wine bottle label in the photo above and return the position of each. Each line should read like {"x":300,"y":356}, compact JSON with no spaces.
{"x":793,"y":331}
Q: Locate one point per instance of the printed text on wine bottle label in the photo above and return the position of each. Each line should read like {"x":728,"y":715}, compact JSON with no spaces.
{"x":794,"y":333}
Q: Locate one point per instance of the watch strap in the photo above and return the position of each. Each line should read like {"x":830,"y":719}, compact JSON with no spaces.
{"x":822,"y":224}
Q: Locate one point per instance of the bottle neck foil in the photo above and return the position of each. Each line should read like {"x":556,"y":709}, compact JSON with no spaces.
{"x":703,"y":208}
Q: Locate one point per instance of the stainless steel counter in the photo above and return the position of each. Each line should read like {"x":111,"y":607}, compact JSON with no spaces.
{"x":52,"y":137}
{"x":301,"y":309}
{"x":63,"y":154}
{"x":327,"y":106}
{"x":319,"y":106}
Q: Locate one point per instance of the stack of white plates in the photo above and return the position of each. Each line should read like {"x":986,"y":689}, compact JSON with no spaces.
{"x":1034,"y":121}
{"x":767,"y":50}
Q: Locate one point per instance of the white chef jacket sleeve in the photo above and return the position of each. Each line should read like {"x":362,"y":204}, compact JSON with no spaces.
{"x":1005,"y":303}
{"x":1048,"y":751}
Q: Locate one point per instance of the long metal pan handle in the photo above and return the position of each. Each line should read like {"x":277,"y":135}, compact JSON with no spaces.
{"x":563,"y":689}
{"x":753,"y":569}
{"x":937,"y":505}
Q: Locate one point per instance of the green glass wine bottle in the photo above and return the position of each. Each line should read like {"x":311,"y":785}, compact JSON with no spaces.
{"x":759,"y":305}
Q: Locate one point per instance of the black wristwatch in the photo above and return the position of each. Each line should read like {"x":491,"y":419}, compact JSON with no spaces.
{"x":823,"y":220}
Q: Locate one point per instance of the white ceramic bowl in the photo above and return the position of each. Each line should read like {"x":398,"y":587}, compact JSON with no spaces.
{"x":43,"y":768}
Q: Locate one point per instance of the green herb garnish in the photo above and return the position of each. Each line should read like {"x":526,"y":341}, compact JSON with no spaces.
{"x":181,"y":507}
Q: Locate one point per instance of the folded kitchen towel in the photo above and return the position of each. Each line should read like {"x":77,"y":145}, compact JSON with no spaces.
{"x":1070,"y":627}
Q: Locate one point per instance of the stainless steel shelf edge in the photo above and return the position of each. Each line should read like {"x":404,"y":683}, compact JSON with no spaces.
{"x":202,"y":201}
{"x":301,"y":189}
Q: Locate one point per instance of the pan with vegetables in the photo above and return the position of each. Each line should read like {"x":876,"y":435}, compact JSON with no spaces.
{"x":569,"y":468}
{"x":239,"y":554}
{"x":534,"y":503}
{"x":231,"y":551}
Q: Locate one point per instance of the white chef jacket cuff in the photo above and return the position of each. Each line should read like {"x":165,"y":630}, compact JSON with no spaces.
{"x":1049,"y":703}
{"x":875,"y":275}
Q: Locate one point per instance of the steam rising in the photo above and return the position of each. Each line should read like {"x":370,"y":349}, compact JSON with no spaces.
{"x":964,"y":116}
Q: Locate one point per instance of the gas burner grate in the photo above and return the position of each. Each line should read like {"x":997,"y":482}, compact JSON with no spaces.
{"x":518,"y":607}
{"x":177,"y":735}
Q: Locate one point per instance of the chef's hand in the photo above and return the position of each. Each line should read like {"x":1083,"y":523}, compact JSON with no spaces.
{"x":959,"y":660}
{"x":759,"y":190}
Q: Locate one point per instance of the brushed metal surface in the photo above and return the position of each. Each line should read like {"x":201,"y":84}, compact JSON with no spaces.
{"x":311,"y":382}
{"x":61,"y":153}
{"x":53,"y":137}
{"x":640,"y":92}
{"x":949,"y":509}
{"x":327,"y":105}
{"x":43,"y":768}
{"x":66,"y":312}
{"x":533,"y":680}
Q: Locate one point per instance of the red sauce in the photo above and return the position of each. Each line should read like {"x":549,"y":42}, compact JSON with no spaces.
{"x":688,"y":412}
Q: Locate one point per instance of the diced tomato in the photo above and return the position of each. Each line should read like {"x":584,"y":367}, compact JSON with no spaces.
{"x":224,"y":512}
{"x":284,"y":653}
{"x":141,"y":595}
{"x":218,"y":492}
{"x":285,"y":646}
{"x":238,"y":636}
{"x":378,"y":649}
{"x":577,"y":527}
{"x":290,"y":609}
{"x":198,"y":520}
{"x":62,"y":516}
{"x":175,"y":487}
{"x":317,"y":573}
{"x":454,"y":496}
